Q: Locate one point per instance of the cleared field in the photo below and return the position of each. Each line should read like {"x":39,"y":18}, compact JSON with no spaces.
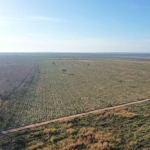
{"x":126,"y":128}
{"x":71,"y":117}
{"x":63,"y":86}
{"x":15,"y":74}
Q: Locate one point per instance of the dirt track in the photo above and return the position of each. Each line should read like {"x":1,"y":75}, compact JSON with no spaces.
{"x":69,"y":117}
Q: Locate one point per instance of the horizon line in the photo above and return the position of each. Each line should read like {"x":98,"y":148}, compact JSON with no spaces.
{"x":85,"y":52}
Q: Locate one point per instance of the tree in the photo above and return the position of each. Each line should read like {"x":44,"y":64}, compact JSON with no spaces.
{"x":64,"y":70}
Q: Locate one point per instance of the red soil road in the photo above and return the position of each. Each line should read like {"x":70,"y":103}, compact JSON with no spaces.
{"x":70,"y":117}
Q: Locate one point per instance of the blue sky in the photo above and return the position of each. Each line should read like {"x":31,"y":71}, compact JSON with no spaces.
{"x":74,"y":26}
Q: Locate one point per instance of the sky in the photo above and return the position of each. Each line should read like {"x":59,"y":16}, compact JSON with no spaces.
{"x":75,"y":26}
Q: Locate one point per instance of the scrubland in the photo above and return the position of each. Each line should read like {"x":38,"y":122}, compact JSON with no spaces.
{"x":36,"y":88}
{"x":40,"y":87}
{"x":126,"y":128}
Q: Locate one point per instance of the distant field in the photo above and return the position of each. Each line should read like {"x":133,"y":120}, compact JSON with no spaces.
{"x":44,"y":87}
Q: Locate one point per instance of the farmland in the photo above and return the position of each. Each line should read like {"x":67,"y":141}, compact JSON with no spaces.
{"x":40,"y":87}
{"x":126,"y":128}
{"x":15,"y":74}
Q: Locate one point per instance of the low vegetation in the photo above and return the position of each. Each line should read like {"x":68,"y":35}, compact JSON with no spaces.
{"x":47,"y":86}
{"x":126,"y":128}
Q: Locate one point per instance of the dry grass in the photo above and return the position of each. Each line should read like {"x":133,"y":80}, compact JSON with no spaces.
{"x":36,"y":146}
{"x":67,"y":125}
{"x":70,"y":131}
{"x":87,"y":137}
{"x":47,"y":148}
{"x":101,"y":146}
{"x":49,"y":130}
{"x":73,"y":146}
{"x":67,"y":120}
{"x":125,"y":113}
{"x":114,"y":129}
{"x":132,"y":143}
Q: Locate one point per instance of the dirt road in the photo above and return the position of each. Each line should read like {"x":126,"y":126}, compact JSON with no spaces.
{"x":72,"y":116}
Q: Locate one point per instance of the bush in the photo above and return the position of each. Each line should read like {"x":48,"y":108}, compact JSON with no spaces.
{"x":64,"y":70}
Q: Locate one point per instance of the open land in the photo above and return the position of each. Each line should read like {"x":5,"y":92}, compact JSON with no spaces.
{"x":125,"y":128}
{"x":41,"y":87}
{"x":72,"y":116}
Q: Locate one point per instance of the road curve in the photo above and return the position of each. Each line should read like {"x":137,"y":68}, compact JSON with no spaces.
{"x":72,"y":116}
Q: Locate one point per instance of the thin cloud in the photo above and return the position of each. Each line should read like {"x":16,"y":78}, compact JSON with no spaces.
{"x":45,"y":18}
{"x":13,"y":19}
{"x":35,"y":18}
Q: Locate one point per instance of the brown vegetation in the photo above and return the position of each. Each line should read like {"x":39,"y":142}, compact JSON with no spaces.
{"x":107,"y":130}
{"x":36,"y":146}
{"x":125,"y":113}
